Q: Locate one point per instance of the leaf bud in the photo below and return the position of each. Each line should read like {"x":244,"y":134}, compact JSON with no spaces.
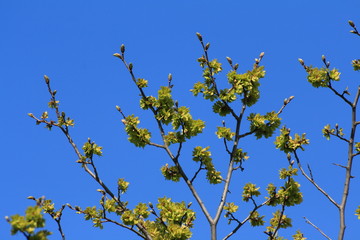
{"x":122,"y":48}
{"x":261,"y":55}
{"x":169,"y":77}
{"x":30,"y":115}
{"x":351,"y":23}
{"x":229,"y":60}
{"x":31,"y":197}
{"x":54,"y":92}
{"x":336,"y":126}
{"x":207,"y":46}
{"x":130,"y":66}
{"x":199,"y":36}
{"x":47,"y":79}
{"x":101,"y":191}
{"x":117,"y":55}
{"x":189,"y":204}
{"x":236,"y":66}
{"x":323,"y":58}
{"x":301,"y":62}
{"x":151,"y":205}
{"x":118,"y":108}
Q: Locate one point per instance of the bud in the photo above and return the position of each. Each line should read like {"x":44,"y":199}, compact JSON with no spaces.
{"x":323,"y":58}
{"x":30,"y":115}
{"x":229,"y":60}
{"x":169,"y":77}
{"x":118,"y":108}
{"x":31,"y":197}
{"x":207,"y":46}
{"x":262,"y":55}
{"x":199,"y":36}
{"x":291,"y":98}
{"x":151,"y":205}
{"x":101,"y":191}
{"x":301,"y":61}
{"x":117,"y":55}
{"x":336,"y":126}
{"x":351,"y":23}
{"x":352,"y":31}
{"x":54,"y":92}
{"x":130,"y":66}
{"x":122,"y":48}
{"x":236,"y":66}
{"x":47,"y":79}
{"x":189,"y":204}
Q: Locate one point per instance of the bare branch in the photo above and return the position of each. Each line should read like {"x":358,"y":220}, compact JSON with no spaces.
{"x":318,"y":229}
{"x":313,"y":182}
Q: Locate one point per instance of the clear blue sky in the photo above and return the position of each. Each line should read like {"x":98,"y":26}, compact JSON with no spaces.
{"x":73,"y":41}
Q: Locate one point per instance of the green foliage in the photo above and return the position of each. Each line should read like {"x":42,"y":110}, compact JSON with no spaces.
{"x":249,"y":191}
{"x":321,"y":77}
{"x":224,"y":132}
{"x":203,"y":156}
{"x":90,"y":148}
{"x":299,"y":236}
{"x":221,"y":108}
{"x":256,"y":219}
{"x":29,"y":223}
{"x":140,"y":137}
{"x":264,"y":125}
{"x":239,"y":156}
{"x":328,"y":131}
{"x":356,"y":64}
{"x":174,"y":222}
{"x":246,"y":84}
{"x":141,"y":83}
{"x":279,"y":220}
{"x":288,"y":144}
{"x":123,"y":185}
{"x":357,"y":212}
{"x":171,"y":173}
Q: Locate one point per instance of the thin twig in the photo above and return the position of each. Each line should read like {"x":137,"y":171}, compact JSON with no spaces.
{"x":318,"y":229}
{"x":313,"y":182}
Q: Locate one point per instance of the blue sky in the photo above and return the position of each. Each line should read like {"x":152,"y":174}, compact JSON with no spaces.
{"x":73,"y":41}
